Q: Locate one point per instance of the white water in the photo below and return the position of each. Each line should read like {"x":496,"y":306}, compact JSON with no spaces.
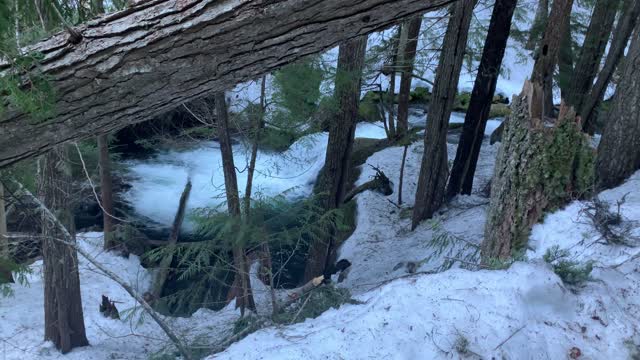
{"x":158,"y":182}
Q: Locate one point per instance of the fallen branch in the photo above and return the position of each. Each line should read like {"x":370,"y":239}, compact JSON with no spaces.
{"x":69,"y":241}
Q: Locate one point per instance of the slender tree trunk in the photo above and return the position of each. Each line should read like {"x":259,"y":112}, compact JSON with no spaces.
{"x":106,"y":190}
{"x":565,"y":66}
{"x":165,"y":264}
{"x":435,"y":169}
{"x":5,"y":274}
{"x":619,"y":149}
{"x":542,"y":163}
{"x":624,"y":28}
{"x":539,"y":23}
{"x":63,"y":317}
{"x":475,"y":122}
{"x":595,"y":43}
{"x":401,"y":179}
{"x":411,"y":32}
{"x":241,"y":288}
{"x":332,"y":186}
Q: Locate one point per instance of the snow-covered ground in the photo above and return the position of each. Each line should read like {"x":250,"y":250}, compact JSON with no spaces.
{"x":524,"y":312}
{"x":135,"y":336}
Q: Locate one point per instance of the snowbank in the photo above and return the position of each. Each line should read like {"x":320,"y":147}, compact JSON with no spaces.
{"x":133,"y":337}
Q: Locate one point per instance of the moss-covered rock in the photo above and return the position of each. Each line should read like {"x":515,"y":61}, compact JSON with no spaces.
{"x":499,"y":110}
{"x":420,"y":95}
{"x":461,"y":103}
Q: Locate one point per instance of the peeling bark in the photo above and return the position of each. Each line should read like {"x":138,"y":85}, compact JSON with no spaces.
{"x":142,"y":61}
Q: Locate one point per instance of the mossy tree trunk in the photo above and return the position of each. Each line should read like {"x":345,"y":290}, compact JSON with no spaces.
{"x":540,"y":166}
{"x":434,"y":169}
{"x":475,"y":122}
{"x":406,"y":59}
{"x":539,"y":23}
{"x":332,"y":186}
{"x":63,"y":316}
{"x":619,"y":149}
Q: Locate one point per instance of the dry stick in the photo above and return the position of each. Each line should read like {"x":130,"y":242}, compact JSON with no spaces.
{"x":300,"y":310}
{"x":181,"y":347}
{"x":165,"y":263}
{"x":510,"y":336}
{"x":404,"y":158}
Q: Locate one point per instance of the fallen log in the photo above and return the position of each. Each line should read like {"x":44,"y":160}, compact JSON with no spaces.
{"x":129,"y":66}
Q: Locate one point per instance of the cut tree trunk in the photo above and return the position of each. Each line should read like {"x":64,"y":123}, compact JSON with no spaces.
{"x":624,"y":28}
{"x":140,"y":62}
{"x":435,"y":168}
{"x":619,"y":149}
{"x":63,"y":316}
{"x":332,"y":185}
{"x":541,"y":165}
{"x":542,"y":76}
{"x":106,"y":190}
{"x":241,"y":287}
{"x":409,"y":37}
{"x":165,"y":264}
{"x":593,"y":47}
{"x":539,"y":23}
{"x":475,"y":122}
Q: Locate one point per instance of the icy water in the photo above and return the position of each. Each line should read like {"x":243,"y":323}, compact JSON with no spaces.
{"x":158,"y":182}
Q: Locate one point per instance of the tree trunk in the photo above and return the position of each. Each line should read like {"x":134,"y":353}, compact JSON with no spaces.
{"x":5,"y":274}
{"x":542,"y":76}
{"x":619,"y":149}
{"x":565,"y":66}
{"x":63,"y":317}
{"x":595,"y":43}
{"x":542,"y":163}
{"x":539,"y":24}
{"x":411,"y":32}
{"x":163,"y":268}
{"x":435,"y":169}
{"x":241,"y":288}
{"x":475,"y":122}
{"x":129,"y":63}
{"x":332,"y":186}
{"x":106,"y":190}
{"x":621,"y":34}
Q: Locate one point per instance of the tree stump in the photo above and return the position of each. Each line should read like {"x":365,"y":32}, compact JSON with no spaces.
{"x":541,"y":165}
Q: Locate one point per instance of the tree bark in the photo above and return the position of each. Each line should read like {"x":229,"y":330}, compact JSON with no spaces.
{"x":163,"y":268}
{"x":106,"y":191}
{"x":595,"y":43}
{"x":539,"y":23}
{"x":63,"y":316}
{"x":619,"y":149}
{"x":241,"y":288}
{"x":140,"y":62}
{"x":435,"y":169}
{"x":621,"y":34}
{"x":541,"y":165}
{"x":412,"y":30}
{"x":475,"y":122}
{"x":5,"y":274}
{"x":547,"y":58}
{"x":332,"y":186}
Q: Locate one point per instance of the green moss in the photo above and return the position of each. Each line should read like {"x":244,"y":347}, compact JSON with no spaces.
{"x":461,"y":103}
{"x":499,"y":110}
{"x":420,"y":95}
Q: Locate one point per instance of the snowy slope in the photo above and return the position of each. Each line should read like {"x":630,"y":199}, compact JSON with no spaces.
{"x":524,"y":312}
{"x":22,"y":316}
